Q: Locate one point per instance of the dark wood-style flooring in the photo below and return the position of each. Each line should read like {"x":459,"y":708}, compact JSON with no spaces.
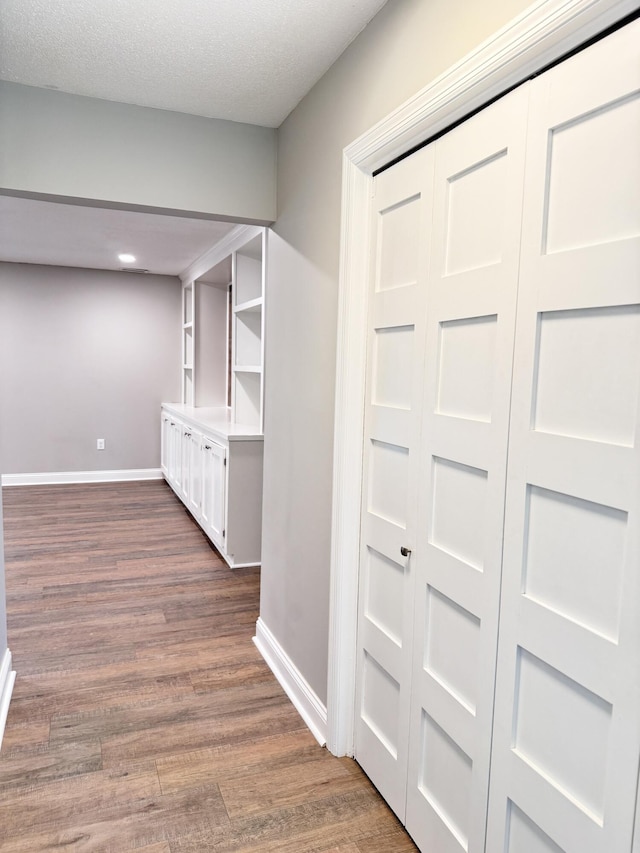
{"x":143,"y":718}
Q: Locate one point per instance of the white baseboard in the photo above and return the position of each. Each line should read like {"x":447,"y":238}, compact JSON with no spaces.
{"x":7,"y":680}
{"x":117,"y":476}
{"x":304,"y":699}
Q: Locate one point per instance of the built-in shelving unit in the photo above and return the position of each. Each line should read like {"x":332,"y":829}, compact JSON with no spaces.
{"x":212,"y":451}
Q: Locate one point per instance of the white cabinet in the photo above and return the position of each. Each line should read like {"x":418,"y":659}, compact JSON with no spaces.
{"x":214,"y":464}
{"x":215,"y":467}
{"x":185,"y":462}
{"x":192,"y":469}
{"x":171,"y":450}
{"x":172,"y":446}
{"x":165,"y":444}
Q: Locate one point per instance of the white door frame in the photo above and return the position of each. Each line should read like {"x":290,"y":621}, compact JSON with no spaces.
{"x":543,"y":33}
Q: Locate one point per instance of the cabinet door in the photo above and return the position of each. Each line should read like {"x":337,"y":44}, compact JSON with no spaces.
{"x":165,"y":444}
{"x":175,"y":454}
{"x":195,"y":473}
{"x":185,"y":463}
{"x":213,"y":489}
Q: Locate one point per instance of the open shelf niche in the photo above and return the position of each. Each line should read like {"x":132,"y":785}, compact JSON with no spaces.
{"x":188,"y":291}
{"x":247,"y":388}
{"x":223,"y":331}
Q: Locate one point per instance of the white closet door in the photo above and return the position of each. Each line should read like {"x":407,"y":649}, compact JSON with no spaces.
{"x":401,"y":224}
{"x":567,"y":727}
{"x":471,"y":306}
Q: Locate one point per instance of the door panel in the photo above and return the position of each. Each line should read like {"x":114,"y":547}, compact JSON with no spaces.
{"x":195,"y":473}
{"x":213,"y":488}
{"x":469,"y":352}
{"x":175,"y":469}
{"x":401,"y":213}
{"x":567,"y":738}
{"x":165,"y":444}
{"x":185,"y":463}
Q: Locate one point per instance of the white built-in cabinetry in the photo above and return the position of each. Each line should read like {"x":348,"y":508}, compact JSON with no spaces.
{"x":212,"y":440}
{"x":215,"y":467}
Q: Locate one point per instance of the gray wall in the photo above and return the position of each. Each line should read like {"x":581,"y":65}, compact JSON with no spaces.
{"x":85,"y":354}
{"x":85,"y":148}
{"x":404,"y":48}
{"x":3,"y":598}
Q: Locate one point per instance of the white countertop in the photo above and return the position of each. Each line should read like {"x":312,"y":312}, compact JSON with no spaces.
{"x":216,"y":421}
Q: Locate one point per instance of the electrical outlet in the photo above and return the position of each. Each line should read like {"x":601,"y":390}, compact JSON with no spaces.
{"x":100,"y":444}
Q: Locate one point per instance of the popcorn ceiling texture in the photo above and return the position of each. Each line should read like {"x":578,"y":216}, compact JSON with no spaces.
{"x":241,"y":60}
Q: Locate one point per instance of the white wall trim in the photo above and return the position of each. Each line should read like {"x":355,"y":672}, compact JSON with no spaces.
{"x":54,"y":478}
{"x":231,"y":242}
{"x":302,"y":696}
{"x":543,"y":33}
{"x":7,"y":680}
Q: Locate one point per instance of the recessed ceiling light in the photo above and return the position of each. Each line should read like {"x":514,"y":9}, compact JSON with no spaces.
{"x":126,"y":258}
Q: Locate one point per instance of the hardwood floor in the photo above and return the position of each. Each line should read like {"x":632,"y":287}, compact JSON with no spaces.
{"x":143,"y":718}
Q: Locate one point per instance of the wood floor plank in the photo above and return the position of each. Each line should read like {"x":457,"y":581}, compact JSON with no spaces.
{"x":273,"y":788}
{"x":25,"y":735}
{"x":90,"y":795}
{"x":231,"y":762}
{"x":125,"y":825}
{"x":344,"y":848}
{"x":396,"y":841}
{"x":40,"y":766}
{"x":65,"y":697}
{"x":143,"y":717}
{"x":331,"y":821}
{"x":175,"y":737}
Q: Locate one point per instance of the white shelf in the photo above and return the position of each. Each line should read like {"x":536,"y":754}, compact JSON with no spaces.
{"x":247,"y":368}
{"x":250,"y":306}
{"x":187,"y":325}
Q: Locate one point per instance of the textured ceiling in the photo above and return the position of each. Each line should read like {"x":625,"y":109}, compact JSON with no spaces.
{"x":241,"y":60}
{"x":43,"y":232}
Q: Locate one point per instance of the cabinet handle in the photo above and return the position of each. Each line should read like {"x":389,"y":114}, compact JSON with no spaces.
{"x":405,"y":551}
{"x":187,"y":435}
{"x":172,"y":423}
{"x":207,"y":447}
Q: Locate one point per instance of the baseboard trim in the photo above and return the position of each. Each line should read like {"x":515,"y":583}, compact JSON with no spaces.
{"x":7,"y":680}
{"x":116,"y":476}
{"x":303,"y":698}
